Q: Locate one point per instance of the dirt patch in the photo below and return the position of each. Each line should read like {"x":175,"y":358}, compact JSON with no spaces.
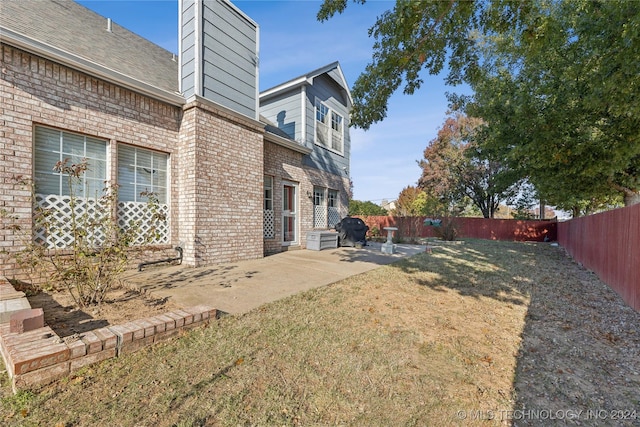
{"x":120,"y":306}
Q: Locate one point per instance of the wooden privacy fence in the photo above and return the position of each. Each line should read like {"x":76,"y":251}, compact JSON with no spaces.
{"x":474,"y":228}
{"x":608,"y":244}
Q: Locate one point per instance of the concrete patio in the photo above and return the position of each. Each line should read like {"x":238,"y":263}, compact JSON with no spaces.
{"x":242,"y":286}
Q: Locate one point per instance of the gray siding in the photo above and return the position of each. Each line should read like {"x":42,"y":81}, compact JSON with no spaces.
{"x":285,"y":112}
{"x":326,"y":89}
{"x":219,"y":55}
{"x":230,"y":58}
{"x":188,"y":48}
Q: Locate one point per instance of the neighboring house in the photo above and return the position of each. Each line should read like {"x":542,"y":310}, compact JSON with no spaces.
{"x":236,"y":178}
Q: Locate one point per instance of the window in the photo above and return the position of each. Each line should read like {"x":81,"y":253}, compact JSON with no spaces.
{"x":140,"y":172}
{"x":269,"y":217}
{"x":52,"y":146}
{"x":61,"y":197}
{"x":329,"y":128}
{"x":336,"y":132}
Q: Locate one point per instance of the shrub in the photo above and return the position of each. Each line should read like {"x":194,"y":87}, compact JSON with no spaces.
{"x":99,"y":249}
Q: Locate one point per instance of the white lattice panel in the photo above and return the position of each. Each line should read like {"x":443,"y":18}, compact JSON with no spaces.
{"x":269,"y":224}
{"x":319,"y":216}
{"x":58,"y":231}
{"x":334,"y":216}
{"x":140,"y":215}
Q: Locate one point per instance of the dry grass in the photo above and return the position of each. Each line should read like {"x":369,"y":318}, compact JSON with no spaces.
{"x":413,"y":343}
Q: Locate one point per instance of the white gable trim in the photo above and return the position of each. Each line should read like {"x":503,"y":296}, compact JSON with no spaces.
{"x":307,"y":79}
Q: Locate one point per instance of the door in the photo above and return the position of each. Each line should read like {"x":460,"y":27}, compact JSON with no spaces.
{"x":289,"y":213}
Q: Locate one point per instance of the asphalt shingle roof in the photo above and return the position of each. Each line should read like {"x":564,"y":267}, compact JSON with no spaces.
{"x":69,"y":26}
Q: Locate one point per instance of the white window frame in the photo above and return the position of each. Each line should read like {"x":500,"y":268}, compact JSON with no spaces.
{"x":328,"y":121}
{"x":58,"y":153}
{"x":333,"y":205}
{"x":52,"y":191}
{"x":156,"y":167}
{"x":319,"y":207}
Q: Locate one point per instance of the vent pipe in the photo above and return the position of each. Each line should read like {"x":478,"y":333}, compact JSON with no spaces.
{"x":109,"y":24}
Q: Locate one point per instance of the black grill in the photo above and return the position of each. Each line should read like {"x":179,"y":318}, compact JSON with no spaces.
{"x":352,"y":232}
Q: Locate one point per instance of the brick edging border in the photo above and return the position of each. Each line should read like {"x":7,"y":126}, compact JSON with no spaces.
{"x":38,"y":357}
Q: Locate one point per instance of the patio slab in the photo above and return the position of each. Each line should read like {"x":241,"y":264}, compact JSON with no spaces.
{"x":242,"y":286}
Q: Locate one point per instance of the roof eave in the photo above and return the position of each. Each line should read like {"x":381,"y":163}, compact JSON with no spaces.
{"x":287,"y":143}
{"x":291,"y":84}
{"x":28,"y":44}
{"x":307,"y":79}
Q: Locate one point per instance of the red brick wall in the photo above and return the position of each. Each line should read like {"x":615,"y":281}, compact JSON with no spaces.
{"x":36,"y":91}
{"x":216,"y":157}
{"x":284,"y":164}
{"x":223,"y":190}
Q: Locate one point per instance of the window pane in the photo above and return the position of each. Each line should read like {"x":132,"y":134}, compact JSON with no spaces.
{"x":336,"y":122}
{"x":143,"y":179}
{"x":143,"y":158}
{"x":96,"y":149}
{"x":73,"y":145}
{"x":45,"y":161}
{"x":47,"y":183}
{"x":141,"y":170}
{"x":321,"y":112}
{"x":94,"y":188}
{"x":160,"y":162}
{"x":47,"y":139}
{"x":126,"y":192}
{"x":159,"y":180}
{"x":96,"y":169}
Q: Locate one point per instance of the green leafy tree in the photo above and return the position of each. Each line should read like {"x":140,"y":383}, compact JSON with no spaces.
{"x":367,"y":208}
{"x":413,"y":201}
{"x":559,"y":103}
{"x":456,"y":167}
{"x":556,"y":83}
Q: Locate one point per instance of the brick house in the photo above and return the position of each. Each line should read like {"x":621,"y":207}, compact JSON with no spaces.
{"x":239,"y":174}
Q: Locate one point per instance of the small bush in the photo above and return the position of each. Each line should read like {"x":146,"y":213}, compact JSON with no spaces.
{"x":99,"y":251}
{"x":446,"y":230}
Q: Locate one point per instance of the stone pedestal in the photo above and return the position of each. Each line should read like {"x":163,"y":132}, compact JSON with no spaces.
{"x":388,"y":247}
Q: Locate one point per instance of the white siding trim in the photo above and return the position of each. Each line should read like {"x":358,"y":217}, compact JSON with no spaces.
{"x":303,"y":115}
{"x":197,"y":66}
{"x":180,"y":11}
{"x":257,"y":117}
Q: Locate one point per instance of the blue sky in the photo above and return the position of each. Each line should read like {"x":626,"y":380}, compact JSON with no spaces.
{"x":293,"y":42}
